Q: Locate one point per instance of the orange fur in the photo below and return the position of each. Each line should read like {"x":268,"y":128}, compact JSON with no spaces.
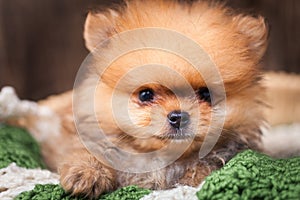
{"x":236,"y":44}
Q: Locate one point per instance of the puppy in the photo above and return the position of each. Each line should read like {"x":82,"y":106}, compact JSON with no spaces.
{"x":168,"y":102}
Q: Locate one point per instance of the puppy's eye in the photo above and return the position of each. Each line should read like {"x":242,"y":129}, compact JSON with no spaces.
{"x":203,"y":94}
{"x":146,"y":95}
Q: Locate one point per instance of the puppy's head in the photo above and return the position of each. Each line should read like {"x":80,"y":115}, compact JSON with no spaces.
{"x":149,"y":97}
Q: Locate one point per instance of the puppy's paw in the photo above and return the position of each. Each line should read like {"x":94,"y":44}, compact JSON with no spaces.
{"x":89,"y":179}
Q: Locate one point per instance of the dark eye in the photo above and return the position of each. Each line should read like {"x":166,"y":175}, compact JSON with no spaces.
{"x":146,"y":95}
{"x":203,"y":94}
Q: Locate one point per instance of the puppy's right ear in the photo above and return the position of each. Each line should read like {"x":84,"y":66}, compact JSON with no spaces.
{"x":98,"y":27}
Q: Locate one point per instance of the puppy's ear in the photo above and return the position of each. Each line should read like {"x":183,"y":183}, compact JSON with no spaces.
{"x":98,"y":27}
{"x":256,"y":31}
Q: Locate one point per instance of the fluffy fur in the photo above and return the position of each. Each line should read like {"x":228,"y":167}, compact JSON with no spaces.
{"x":235,"y":43}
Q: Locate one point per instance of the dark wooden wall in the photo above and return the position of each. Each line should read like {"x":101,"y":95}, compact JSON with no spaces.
{"x":41,"y":45}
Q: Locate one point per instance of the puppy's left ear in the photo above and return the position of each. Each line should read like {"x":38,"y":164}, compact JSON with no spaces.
{"x":256,"y":31}
{"x":98,"y":27}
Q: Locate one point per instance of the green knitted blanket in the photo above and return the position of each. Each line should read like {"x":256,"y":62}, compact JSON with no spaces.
{"x":249,"y":175}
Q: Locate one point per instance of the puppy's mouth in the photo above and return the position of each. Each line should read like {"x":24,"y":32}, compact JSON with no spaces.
{"x":177,"y":134}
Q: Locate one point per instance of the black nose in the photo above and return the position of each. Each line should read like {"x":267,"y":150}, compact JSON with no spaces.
{"x":178,"y":119}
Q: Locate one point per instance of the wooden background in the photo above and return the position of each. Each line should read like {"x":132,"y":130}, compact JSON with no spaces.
{"x":41,"y":45}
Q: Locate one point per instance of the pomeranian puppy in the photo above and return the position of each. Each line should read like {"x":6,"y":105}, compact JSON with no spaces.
{"x":160,"y":102}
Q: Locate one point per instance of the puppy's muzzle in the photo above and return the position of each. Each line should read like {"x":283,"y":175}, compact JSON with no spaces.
{"x":178,"y":119}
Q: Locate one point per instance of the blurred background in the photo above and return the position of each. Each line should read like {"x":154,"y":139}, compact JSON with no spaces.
{"x":42,"y":47}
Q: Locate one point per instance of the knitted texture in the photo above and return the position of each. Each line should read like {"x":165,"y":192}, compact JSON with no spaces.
{"x":17,"y":145}
{"x":248,"y":175}
{"x":251,"y":175}
{"x":55,"y":192}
